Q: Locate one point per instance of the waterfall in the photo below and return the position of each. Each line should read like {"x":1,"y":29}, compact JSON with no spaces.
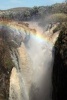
{"x":33,"y":56}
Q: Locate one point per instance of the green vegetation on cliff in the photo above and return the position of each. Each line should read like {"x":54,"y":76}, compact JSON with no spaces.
{"x":23,"y":14}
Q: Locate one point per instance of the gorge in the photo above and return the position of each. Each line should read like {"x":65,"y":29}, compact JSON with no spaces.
{"x":32,"y":54}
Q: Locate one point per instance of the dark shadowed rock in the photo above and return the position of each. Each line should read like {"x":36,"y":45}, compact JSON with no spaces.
{"x":60,"y":66}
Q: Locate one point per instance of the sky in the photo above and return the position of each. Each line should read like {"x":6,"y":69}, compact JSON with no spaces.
{"x":7,"y":4}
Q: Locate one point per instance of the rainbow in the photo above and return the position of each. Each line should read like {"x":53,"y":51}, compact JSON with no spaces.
{"x":22,"y":27}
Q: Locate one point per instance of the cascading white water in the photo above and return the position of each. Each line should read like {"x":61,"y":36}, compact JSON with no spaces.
{"x":31,"y":77}
{"x":31,"y":80}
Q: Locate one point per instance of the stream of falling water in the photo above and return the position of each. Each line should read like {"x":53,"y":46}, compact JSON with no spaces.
{"x":31,"y":78}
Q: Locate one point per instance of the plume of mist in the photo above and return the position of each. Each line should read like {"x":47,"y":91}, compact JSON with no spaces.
{"x":31,"y":79}
{"x":38,"y":58}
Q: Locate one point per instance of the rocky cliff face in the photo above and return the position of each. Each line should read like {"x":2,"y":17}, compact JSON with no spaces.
{"x":6,"y":65}
{"x":60,"y":66}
